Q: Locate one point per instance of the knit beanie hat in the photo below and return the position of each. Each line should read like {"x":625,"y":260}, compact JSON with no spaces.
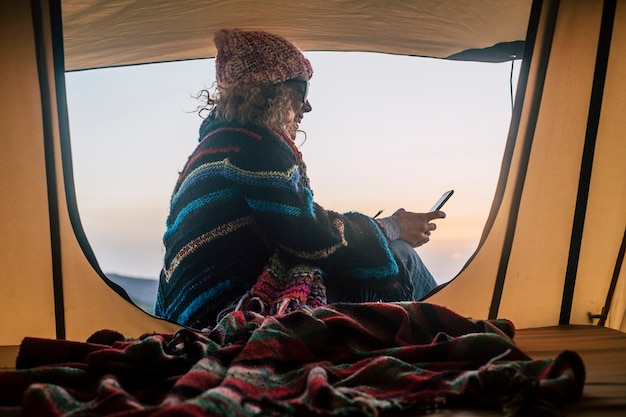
{"x":257,"y":57}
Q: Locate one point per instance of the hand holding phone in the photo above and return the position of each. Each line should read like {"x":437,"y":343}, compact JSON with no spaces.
{"x":442,"y":200}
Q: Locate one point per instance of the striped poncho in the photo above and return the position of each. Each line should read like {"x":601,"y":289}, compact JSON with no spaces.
{"x":243,"y":195}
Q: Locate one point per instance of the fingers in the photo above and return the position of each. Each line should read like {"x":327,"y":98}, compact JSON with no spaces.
{"x":437,"y":214}
{"x":420,"y":242}
{"x":429,"y":228}
{"x":416,"y":228}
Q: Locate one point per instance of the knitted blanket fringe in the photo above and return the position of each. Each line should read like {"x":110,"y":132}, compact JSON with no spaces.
{"x":283,"y":288}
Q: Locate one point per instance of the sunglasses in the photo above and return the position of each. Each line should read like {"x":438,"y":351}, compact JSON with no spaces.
{"x":304,"y":87}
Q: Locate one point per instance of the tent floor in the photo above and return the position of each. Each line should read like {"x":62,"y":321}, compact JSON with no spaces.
{"x":8,"y":354}
{"x":603,"y":351}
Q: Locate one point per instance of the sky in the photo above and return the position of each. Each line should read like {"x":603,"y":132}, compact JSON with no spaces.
{"x":386,"y":132}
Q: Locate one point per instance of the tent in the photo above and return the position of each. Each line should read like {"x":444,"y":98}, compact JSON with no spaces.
{"x":552,"y":250}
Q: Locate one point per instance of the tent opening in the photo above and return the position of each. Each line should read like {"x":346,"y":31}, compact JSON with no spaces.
{"x":386,"y":131}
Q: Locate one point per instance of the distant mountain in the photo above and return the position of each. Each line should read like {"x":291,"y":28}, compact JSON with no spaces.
{"x":141,"y":290}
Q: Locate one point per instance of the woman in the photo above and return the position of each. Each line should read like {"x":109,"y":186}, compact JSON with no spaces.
{"x":243,"y":229}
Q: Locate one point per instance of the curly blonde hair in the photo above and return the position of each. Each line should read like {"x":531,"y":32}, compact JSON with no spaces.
{"x":268,"y":105}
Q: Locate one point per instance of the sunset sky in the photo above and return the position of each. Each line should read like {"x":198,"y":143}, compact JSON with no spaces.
{"x":385,"y":132}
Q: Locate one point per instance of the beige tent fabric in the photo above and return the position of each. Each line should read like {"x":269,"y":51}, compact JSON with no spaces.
{"x":607,"y":199}
{"x":25,"y":252}
{"x":100,"y":33}
{"x":548,"y":201}
{"x":555,"y":120}
{"x":32,"y":253}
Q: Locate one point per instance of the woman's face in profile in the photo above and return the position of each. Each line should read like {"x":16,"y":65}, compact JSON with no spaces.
{"x":300,"y":103}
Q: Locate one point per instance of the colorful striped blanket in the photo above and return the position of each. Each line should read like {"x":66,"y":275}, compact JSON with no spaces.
{"x":340,"y":360}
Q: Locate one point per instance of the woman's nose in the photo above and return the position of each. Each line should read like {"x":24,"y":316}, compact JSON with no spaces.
{"x":306,"y":107}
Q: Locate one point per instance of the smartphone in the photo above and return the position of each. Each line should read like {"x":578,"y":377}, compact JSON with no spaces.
{"x":442,"y":200}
